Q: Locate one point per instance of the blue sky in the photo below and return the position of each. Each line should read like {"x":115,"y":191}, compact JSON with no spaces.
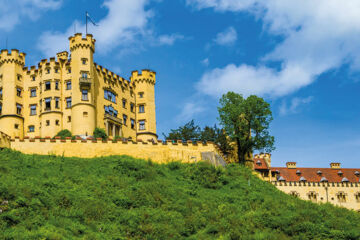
{"x":301,"y":56}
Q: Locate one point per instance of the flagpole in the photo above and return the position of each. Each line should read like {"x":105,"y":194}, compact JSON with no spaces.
{"x":86,"y":14}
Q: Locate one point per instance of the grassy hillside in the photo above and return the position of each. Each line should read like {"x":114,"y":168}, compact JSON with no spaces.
{"x":124,"y":198}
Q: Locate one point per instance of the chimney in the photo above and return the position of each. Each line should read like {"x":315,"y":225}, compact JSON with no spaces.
{"x":335,"y":165}
{"x":291,"y":165}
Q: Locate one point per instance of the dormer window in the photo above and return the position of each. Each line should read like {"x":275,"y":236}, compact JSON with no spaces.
{"x":340,"y":173}
{"x":344,"y":179}
{"x":323,"y":179}
{"x":302,"y":179}
{"x":357,"y":173}
{"x":281,"y":179}
{"x":319,"y":172}
{"x":258,"y":162}
{"x":298,"y":172}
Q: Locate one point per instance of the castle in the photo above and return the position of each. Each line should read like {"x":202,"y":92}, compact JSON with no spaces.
{"x":73,"y":92}
{"x":335,"y":185}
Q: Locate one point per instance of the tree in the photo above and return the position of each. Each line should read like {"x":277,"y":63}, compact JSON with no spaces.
{"x":64,"y":134}
{"x":246,"y":122}
{"x":218,"y":136}
{"x":100,"y":133}
{"x":189,"y":131}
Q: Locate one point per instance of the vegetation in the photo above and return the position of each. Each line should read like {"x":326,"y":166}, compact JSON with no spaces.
{"x":64,"y":134}
{"x":100,"y":133}
{"x":246,"y":121}
{"x":191,"y":131}
{"x":48,"y":197}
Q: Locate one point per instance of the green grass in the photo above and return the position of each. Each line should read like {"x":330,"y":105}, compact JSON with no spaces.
{"x":124,"y":198}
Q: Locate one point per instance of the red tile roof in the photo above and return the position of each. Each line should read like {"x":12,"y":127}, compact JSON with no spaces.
{"x":260,"y":164}
{"x":311,"y":174}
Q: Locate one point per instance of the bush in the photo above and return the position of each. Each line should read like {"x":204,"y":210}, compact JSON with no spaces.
{"x":64,"y":134}
{"x":100,"y":133}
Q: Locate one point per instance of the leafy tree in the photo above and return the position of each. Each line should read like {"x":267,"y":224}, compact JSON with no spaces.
{"x":64,"y":134}
{"x":246,"y":122}
{"x":100,"y":133}
{"x":189,"y":131}
{"x":218,"y":136}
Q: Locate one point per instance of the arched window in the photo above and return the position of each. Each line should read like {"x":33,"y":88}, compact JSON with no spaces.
{"x":341,"y":196}
{"x":357,"y":196}
{"x":294,"y":194}
{"x":312,"y":196}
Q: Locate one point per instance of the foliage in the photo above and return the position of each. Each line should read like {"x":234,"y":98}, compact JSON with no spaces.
{"x":218,"y":136}
{"x":100,"y":133}
{"x":64,"y":134}
{"x":189,"y":131}
{"x":246,"y":122}
{"x":124,"y":198}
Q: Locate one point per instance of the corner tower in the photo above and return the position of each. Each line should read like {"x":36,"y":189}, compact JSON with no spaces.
{"x":145,"y":104}
{"x":12,"y":89}
{"x":82,"y":99}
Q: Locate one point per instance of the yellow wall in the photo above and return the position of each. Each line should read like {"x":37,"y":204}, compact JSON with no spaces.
{"x":84,"y":115}
{"x":158,"y":152}
{"x":325,"y":192}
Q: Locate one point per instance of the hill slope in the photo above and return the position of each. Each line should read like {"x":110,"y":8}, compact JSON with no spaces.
{"x":124,"y":198}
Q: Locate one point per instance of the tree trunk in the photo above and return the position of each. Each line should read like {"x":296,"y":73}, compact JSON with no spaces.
{"x":240,"y":152}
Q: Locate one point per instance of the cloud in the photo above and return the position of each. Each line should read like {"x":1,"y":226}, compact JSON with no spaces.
{"x":12,"y":12}
{"x":126,"y":23}
{"x":205,"y":62}
{"x":227,"y":37}
{"x":189,"y":110}
{"x":295,"y":105}
{"x":318,"y":36}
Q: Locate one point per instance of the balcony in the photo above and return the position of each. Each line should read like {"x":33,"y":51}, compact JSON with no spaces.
{"x":85,"y":81}
{"x":112,"y":118}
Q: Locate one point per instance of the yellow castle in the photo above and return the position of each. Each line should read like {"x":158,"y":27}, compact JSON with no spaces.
{"x":73,"y":92}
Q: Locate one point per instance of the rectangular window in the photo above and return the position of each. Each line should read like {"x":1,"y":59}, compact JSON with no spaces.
{"x":18,"y":109}
{"x":57,"y":85}
{"x":47,"y":122}
{"x":33,"y":78}
{"x":47,"y":104}
{"x":142,"y":125}
{"x":141,"y":95}
{"x":16,"y":126}
{"x":69,"y":70}
{"x":124,"y":119}
{"x":57,"y":122}
{"x":57,"y":102}
{"x":56,"y":70}
{"x":84,"y":60}
{"x":84,"y":95}
{"x":32,"y":110}
{"x":1,"y":93}
{"x":0,"y":109}
{"x":132,"y":122}
{"x":19,"y":77}
{"x":69,"y":118}
{"x":132,"y":106}
{"x":68,"y":85}
{"x":84,"y":75}
{"x":68,"y":102}
{"x":48,"y":70}
{"x":33,"y":92}
{"x":18,"y":92}
{"x":141,"y":108}
{"x":47,"y":85}
{"x":32,"y":128}
{"x":108,"y":95}
{"x":124,"y":103}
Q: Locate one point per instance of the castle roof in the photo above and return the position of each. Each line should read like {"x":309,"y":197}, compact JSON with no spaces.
{"x":312,"y":175}
{"x":260,"y":164}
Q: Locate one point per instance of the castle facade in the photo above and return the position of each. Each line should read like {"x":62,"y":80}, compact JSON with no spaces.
{"x":335,"y":185}
{"x":73,"y":92}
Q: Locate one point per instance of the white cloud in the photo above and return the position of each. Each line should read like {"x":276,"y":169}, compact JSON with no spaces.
{"x":294,"y":106}
{"x":205,"y":62}
{"x":227,"y":37}
{"x":189,"y":110}
{"x":126,"y":23}
{"x":318,"y":36}
{"x":12,"y":12}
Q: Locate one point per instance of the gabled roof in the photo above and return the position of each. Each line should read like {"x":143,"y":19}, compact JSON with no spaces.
{"x":260,"y":164}
{"x":311,"y":174}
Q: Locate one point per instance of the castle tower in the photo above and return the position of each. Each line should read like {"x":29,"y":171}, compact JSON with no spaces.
{"x":82,"y":99}
{"x":12,"y":89}
{"x":145,"y":104}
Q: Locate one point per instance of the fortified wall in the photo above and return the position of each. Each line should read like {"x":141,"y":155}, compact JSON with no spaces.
{"x":157,"y":151}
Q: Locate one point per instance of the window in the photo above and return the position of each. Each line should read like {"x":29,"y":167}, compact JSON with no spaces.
{"x":33,"y":78}
{"x":85,"y":114}
{"x":142,"y":125}
{"x":341,"y":197}
{"x":84,"y":60}
{"x":68,"y":85}
{"x":84,"y":75}
{"x":141,"y":94}
{"x":18,"y":109}
{"x":294,"y":194}
{"x":69,"y":118}
{"x":0,"y":109}
{"x":141,"y":108}
{"x":69,"y":70}
{"x":357,"y":196}
{"x":47,"y":85}
{"x":57,"y":122}
{"x":48,"y":70}
{"x":132,"y":107}
{"x":33,"y":92}
{"x":110,"y":96}
{"x":47,"y":104}
{"x":111,"y":111}
{"x":132,"y":122}
{"x":84,"y":95}
{"x":1,"y":93}
{"x":57,"y":85}
{"x":18,"y":92}
{"x":68,"y":102}
{"x":56,"y":70}
{"x":32,"y":110}
{"x":16,"y":126}
{"x":31,"y":128}
{"x":47,"y":122}
{"x":124,"y":103}
{"x":312,"y":196}
{"x":19,"y":77}
{"x":57,"y":101}
{"x":124,"y":119}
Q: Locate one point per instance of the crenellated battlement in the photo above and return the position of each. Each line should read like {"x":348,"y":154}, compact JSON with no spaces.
{"x":77,"y":41}
{"x":12,"y":57}
{"x":315,"y":184}
{"x":146,"y":75}
{"x":109,"y":74}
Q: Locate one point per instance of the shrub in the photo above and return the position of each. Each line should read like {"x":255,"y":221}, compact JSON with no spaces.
{"x":100,"y":133}
{"x":64,"y":134}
